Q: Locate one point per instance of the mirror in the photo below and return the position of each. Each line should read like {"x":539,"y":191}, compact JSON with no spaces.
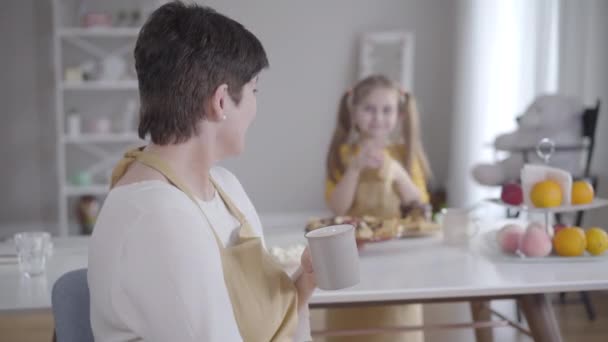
{"x":388,"y":53}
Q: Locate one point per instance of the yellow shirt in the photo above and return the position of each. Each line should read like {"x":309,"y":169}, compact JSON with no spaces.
{"x":381,"y":197}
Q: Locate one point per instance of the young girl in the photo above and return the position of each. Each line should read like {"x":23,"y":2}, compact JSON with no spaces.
{"x":376,"y":166}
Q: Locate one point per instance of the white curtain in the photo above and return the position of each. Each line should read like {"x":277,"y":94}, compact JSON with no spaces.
{"x":508,"y":54}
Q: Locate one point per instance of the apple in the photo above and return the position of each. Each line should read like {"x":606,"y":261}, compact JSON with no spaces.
{"x":512,"y":194}
{"x":509,"y":238}
{"x":536,"y":242}
{"x":557,"y":227}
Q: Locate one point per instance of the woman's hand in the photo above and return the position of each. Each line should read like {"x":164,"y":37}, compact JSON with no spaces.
{"x":305,"y":279}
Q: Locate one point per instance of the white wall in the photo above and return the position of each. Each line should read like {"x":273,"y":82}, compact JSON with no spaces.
{"x":27,"y":174}
{"x":584,"y":73}
{"x":312,"y":48}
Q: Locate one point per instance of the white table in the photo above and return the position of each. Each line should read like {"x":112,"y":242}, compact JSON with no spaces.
{"x":18,"y":293}
{"x":404,"y":271}
{"x":425,"y":270}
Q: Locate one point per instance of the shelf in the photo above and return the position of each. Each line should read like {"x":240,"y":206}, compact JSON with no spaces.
{"x":126,"y":32}
{"x":98,"y":189}
{"x":73,"y":44}
{"x":100,"y":85}
{"x":102,"y":138}
{"x":597,"y":203}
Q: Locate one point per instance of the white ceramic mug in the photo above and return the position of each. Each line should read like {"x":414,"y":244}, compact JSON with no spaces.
{"x":458,"y":226}
{"x":334,"y":256}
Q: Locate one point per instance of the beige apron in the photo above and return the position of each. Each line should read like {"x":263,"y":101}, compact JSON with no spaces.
{"x":376,"y":196}
{"x":263,"y":296}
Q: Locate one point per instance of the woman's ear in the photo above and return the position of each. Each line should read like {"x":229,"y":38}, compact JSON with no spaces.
{"x":217,"y":104}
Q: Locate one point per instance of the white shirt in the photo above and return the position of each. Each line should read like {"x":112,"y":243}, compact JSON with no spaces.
{"x":155,"y":272}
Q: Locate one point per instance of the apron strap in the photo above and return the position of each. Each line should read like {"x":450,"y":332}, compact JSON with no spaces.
{"x":246,"y":230}
{"x":151,"y":160}
{"x":123,"y":165}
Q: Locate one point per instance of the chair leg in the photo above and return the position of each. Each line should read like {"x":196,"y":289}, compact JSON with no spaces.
{"x":517,"y":312}
{"x":480,"y":311}
{"x":588,"y":305}
{"x":558,"y":218}
{"x":579,"y":219}
{"x":512,"y":213}
{"x":585,"y":295}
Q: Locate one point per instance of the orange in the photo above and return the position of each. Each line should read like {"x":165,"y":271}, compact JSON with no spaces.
{"x":597,"y":241}
{"x":546,"y":194}
{"x":582,"y":192}
{"x":570,"y":242}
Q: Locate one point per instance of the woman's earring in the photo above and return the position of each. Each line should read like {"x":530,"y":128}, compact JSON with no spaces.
{"x":223,"y":117}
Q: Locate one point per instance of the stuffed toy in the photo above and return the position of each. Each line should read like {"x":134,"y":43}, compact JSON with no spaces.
{"x":556,"y":117}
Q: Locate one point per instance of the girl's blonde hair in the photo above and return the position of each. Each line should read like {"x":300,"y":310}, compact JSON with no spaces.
{"x":410,"y":132}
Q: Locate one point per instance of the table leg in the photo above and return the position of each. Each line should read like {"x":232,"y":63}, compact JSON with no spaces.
{"x":480,"y":312}
{"x":541,"y":318}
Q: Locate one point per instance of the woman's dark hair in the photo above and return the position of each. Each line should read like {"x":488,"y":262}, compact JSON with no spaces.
{"x":183,"y":53}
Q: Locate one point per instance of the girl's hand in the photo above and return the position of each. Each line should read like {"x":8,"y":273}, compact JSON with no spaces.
{"x":407,"y":189}
{"x":402,"y":177}
{"x":371,"y":155}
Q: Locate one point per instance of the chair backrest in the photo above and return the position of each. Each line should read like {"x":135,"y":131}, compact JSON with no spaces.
{"x":589,"y":127}
{"x":70,"y":301}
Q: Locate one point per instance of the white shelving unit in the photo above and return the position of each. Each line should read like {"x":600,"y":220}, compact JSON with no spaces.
{"x":96,"y":190}
{"x":99,"y":85}
{"x":77,"y":32}
{"x":101,"y":138}
{"x":98,"y":150}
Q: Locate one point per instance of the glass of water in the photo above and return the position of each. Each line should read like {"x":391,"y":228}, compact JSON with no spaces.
{"x":33,"y":248}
